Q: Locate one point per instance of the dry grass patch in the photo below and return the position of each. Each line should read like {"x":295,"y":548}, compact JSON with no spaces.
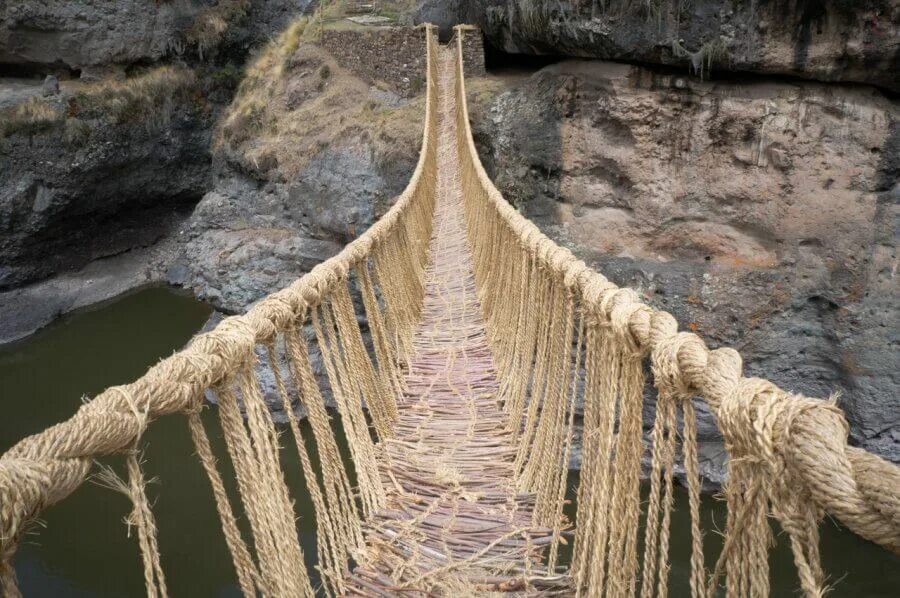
{"x":31,"y":116}
{"x":211,"y":23}
{"x":333,"y":15}
{"x":295,"y":101}
{"x":149,"y":98}
{"x":261,"y":82}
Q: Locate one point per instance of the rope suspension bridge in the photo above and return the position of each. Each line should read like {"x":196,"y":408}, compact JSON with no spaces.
{"x":458,"y":408}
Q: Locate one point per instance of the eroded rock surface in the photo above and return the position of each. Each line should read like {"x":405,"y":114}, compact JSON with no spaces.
{"x":87,"y":33}
{"x":828,"y":40}
{"x":762,"y":215}
{"x":96,"y":37}
{"x":85,"y":185}
{"x":101,"y":173}
{"x":242,"y":244}
{"x":308,"y":156}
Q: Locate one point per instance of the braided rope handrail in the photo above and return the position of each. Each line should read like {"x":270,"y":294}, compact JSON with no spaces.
{"x":859,"y":488}
{"x":45,"y":468}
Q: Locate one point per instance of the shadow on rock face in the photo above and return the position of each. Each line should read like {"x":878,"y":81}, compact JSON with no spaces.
{"x":827,"y":40}
{"x":762,"y":214}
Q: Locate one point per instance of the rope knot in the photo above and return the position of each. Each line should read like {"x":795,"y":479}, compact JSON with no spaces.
{"x":278,"y":310}
{"x":232,"y":340}
{"x":753,"y":419}
{"x":716,"y":373}
{"x":621,"y":319}
{"x":310,"y":294}
{"x":560,"y":258}
{"x":667,"y":373}
{"x":574,"y":276}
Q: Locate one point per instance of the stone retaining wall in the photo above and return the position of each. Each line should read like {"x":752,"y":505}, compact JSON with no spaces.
{"x":473,"y":53}
{"x":393,"y":55}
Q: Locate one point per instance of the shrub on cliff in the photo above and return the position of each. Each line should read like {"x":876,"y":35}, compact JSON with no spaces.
{"x":261,"y":78}
{"x":149,"y":98}
{"x":31,"y":116}
{"x":211,"y":23}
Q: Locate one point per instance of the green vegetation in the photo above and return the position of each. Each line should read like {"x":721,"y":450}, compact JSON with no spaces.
{"x":227,"y":76}
{"x":332,"y":14}
{"x":76,"y":132}
{"x":396,"y":9}
{"x":563,"y":24}
{"x":702,"y":61}
{"x":326,"y":11}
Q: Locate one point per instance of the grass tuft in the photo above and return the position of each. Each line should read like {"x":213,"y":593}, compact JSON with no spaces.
{"x":247,"y":115}
{"x":149,"y":98}
{"x":210,"y":25}
{"x":31,"y":116}
{"x":77,"y":132}
{"x":702,"y":61}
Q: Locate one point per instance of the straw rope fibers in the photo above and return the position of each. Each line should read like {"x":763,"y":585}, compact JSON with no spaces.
{"x":458,"y":407}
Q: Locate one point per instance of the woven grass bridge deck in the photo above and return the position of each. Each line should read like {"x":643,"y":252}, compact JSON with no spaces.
{"x":453,"y":510}
{"x":458,"y":343}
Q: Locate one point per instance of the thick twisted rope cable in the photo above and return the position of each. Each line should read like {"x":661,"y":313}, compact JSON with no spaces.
{"x":45,"y":468}
{"x":859,"y":488}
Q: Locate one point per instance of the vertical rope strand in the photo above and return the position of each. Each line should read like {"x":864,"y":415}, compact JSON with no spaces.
{"x":244,"y":567}
{"x":338,"y":490}
{"x":332,"y":551}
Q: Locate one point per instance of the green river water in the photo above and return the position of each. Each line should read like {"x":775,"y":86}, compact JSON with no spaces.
{"x":84,"y":550}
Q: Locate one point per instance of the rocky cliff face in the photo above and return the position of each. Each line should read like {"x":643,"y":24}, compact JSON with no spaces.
{"x":94,"y":171}
{"x":307,"y":157}
{"x":94,"y":37}
{"x":762,"y":214}
{"x":86,"y":183}
{"x":102,"y":165}
{"x":761,"y":211}
{"x":91,"y":33}
{"x":827,"y":40}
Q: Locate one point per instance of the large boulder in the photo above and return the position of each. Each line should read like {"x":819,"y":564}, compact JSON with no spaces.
{"x":242,"y":244}
{"x":308,"y":156}
{"x":762,"y":215}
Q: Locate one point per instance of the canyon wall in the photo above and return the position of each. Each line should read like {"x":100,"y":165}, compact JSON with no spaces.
{"x":741,"y":172}
{"x":827,"y":40}
{"x":761,"y":214}
{"x":760,"y":209}
{"x":102,"y":164}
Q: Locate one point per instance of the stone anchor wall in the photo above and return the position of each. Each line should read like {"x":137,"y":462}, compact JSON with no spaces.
{"x":473,"y":53}
{"x":394,"y":55}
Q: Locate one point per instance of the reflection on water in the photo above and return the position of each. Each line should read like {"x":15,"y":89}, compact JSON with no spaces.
{"x":855,"y":567}
{"x":84,"y":549}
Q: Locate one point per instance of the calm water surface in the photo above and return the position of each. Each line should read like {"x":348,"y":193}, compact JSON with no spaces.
{"x":84,"y":549}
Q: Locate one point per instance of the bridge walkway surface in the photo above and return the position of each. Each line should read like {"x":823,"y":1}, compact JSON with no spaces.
{"x":453,"y":510}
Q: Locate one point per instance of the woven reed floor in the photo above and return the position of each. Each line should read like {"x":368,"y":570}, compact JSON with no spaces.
{"x":455,"y":523}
